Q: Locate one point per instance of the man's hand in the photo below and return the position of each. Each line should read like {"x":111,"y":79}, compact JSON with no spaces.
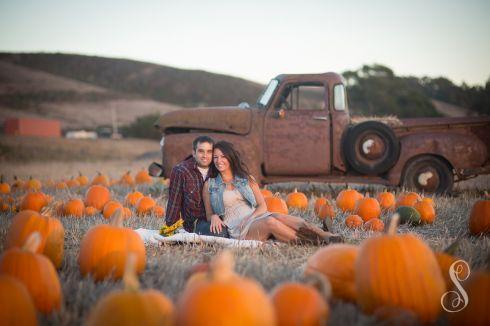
{"x":216,"y":224}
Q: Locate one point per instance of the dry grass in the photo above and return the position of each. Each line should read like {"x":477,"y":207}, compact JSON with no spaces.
{"x":270,"y":265}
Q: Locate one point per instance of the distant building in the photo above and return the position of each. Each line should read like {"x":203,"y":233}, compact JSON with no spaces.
{"x":32,"y":127}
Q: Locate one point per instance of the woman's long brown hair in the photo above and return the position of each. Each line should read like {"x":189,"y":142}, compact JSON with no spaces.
{"x":238,"y":167}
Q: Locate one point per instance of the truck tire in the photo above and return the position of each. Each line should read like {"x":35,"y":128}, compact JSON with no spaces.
{"x":428,"y":174}
{"x":371,"y":147}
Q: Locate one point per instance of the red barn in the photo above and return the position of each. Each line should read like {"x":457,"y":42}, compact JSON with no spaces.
{"x":32,"y":127}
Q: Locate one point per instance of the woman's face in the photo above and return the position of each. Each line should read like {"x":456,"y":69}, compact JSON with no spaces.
{"x":220,"y":161}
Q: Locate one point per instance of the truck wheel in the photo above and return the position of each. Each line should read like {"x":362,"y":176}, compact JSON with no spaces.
{"x":371,"y":147}
{"x":428,"y":174}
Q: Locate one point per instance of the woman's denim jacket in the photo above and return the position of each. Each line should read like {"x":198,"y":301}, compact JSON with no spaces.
{"x":217,"y":187}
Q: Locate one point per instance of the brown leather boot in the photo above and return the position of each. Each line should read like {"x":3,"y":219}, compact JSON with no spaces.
{"x":312,"y":234}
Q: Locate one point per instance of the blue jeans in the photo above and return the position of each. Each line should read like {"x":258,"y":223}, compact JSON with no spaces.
{"x":204,"y":228}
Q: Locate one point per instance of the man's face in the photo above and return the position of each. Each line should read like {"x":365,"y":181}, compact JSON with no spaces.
{"x":203,"y":154}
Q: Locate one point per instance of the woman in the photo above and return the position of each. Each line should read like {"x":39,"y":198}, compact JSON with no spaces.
{"x":232,"y":198}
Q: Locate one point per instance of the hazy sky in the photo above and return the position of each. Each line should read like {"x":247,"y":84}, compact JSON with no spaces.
{"x":257,"y":40}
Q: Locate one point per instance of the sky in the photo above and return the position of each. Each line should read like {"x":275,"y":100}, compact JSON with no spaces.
{"x":258,"y":40}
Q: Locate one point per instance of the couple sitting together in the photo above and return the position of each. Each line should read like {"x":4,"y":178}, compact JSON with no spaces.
{"x":215,"y":195}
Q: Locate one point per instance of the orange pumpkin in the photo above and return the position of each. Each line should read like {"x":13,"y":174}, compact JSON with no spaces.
{"x":336,"y":262}
{"x":132,"y":198}
{"x":326,"y":211}
{"x":276,"y":204}
{"x":33,"y":201}
{"x":159,"y":211}
{"x":74,"y":207}
{"x":297,"y":200}
{"x":374,"y":224}
{"x":104,"y":249}
{"x":266,"y":192}
{"x":127,"y":179}
{"x":426,"y":211}
{"x":145,"y":205}
{"x":82,"y":179}
{"x":110,"y":207}
{"x":91,"y":211}
{"x":33,"y":185}
{"x":353,"y":221}
{"x":36,"y":272}
{"x":319,"y":202}
{"x":347,"y":199}
{"x":368,"y":208}
{"x":246,"y":301}
{"x":386,"y":200}
{"x":477,"y":312}
{"x":72,"y":183}
{"x":97,"y":196}
{"x":479,"y":222}
{"x":61,"y":185}
{"x":127,"y":212}
{"x":4,"y":187}
{"x":445,"y":261}
{"x":101,"y":179}
{"x":24,"y":224}
{"x":18,"y":183}
{"x":132,"y":306}
{"x":299,"y":304}
{"x":408,"y":199}
{"x":406,"y":266}
{"x":142,"y":177}
{"x":16,"y":305}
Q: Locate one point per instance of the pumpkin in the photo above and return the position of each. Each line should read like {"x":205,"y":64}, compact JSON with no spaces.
{"x":266,"y":192}
{"x":16,"y":305}
{"x":97,"y":196}
{"x":409,"y":215}
{"x":127,"y":212}
{"x":61,"y":185}
{"x":36,"y":272}
{"x":33,"y":201}
{"x":429,"y":200}
{"x":477,"y":312}
{"x":24,"y":224}
{"x":18,"y":183}
{"x":74,"y":207}
{"x":72,"y":183}
{"x":326,"y":211}
{"x":374,"y":224}
{"x":347,"y":199}
{"x":319,"y":202}
{"x":104,"y":249}
{"x":399,"y":271}
{"x":299,"y":304}
{"x":32,"y":185}
{"x":110,"y":207}
{"x":145,"y":205}
{"x":142,"y":177}
{"x":386,"y":200}
{"x":91,"y":211}
{"x":297,"y":200}
{"x":55,"y":241}
{"x":368,"y":208}
{"x":353,"y":221}
{"x":159,"y":211}
{"x":132,"y":306}
{"x":276,"y":204}
{"x":132,"y":198}
{"x":426,"y":211}
{"x":408,"y":199}
{"x":101,"y":179}
{"x":82,"y":179}
{"x":4,"y":187}
{"x":245,"y":303}
{"x":479,"y":222}
{"x":336,"y":262}
{"x":126,"y":179}
{"x":445,"y":261}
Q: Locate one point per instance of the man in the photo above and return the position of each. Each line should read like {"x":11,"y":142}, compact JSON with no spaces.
{"x":185,"y":192}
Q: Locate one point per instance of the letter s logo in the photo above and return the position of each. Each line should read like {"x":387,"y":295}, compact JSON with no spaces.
{"x":457,"y":275}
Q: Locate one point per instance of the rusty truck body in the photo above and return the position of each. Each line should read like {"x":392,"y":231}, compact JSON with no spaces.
{"x":300,"y":129}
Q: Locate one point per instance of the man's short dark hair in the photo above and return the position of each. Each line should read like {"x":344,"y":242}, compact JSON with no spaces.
{"x":202,"y":139}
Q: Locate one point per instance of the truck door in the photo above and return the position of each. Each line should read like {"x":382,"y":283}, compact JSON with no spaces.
{"x":297,"y":131}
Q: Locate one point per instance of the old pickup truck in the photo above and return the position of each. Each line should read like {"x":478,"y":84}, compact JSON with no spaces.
{"x":300,"y":130}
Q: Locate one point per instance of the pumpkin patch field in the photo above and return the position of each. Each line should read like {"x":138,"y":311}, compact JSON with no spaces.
{"x":69,"y":256}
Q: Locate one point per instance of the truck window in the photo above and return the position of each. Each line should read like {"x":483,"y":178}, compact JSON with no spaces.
{"x":339,"y":97}
{"x":303,"y":97}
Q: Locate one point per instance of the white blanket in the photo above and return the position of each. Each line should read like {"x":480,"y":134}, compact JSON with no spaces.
{"x":153,"y":237}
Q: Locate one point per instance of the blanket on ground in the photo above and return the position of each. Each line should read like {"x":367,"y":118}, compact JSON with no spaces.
{"x":153,"y":237}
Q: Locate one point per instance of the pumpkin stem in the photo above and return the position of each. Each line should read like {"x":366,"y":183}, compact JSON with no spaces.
{"x":130,"y":280}
{"x":222,"y":266}
{"x":320,"y":283}
{"x":33,"y":242}
{"x":117,"y":217}
{"x":393,"y":224}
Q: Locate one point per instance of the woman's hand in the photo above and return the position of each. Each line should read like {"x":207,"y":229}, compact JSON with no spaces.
{"x":216,"y":224}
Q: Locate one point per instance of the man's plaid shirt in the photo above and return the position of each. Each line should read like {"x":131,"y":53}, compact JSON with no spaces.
{"x":185,"y":195}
